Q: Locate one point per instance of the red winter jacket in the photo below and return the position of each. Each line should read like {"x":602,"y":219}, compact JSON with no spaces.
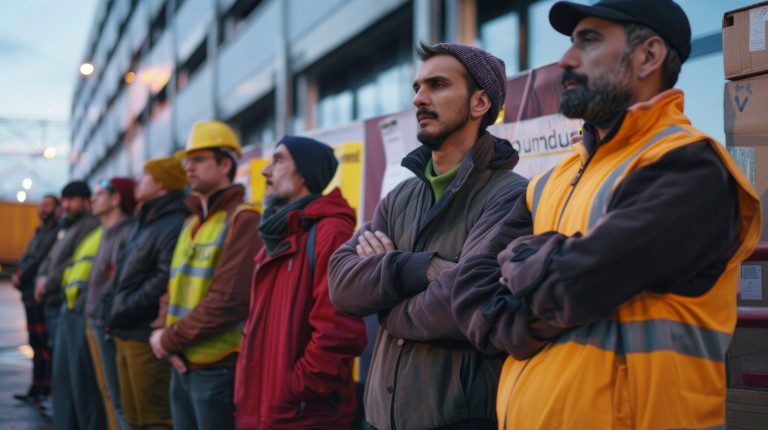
{"x":295,"y":364}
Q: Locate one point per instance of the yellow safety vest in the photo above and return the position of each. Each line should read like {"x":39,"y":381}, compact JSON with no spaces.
{"x":658,"y":362}
{"x":76,"y":275}
{"x":192,"y":268}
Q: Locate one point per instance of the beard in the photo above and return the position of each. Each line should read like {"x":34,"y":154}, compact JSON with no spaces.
{"x":601,"y":101}
{"x":434,"y":141}
{"x":272,"y":203}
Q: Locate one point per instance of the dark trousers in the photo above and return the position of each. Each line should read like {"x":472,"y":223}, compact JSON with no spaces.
{"x":202,"y":399}
{"x":77,"y":401}
{"x":38,"y":341}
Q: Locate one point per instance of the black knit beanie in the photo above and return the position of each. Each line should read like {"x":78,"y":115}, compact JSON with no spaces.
{"x":76,"y":189}
{"x":314,"y":160}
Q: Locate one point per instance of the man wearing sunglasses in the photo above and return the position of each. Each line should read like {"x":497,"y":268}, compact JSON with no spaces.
{"x":113,"y":203}
{"x":209,"y":287}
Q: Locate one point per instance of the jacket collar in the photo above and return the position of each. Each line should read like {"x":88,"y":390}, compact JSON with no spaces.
{"x":665,"y":109}
{"x":160,"y":206}
{"x":222,"y":199}
{"x":488,"y":152}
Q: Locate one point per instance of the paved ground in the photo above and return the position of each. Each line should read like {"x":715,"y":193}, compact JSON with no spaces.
{"x":15,"y":366}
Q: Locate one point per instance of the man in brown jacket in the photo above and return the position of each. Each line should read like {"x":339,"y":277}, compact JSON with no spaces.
{"x":424,"y":373}
{"x":210,"y":278}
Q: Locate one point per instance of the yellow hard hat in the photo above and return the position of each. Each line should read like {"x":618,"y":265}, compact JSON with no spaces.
{"x":211,"y":134}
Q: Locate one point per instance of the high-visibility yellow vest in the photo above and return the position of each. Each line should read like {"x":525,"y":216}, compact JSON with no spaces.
{"x":658,"y":361}
{"x":76,"y":275}
{"x":192,"y":267}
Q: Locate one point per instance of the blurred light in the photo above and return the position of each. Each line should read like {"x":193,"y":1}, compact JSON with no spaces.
{"x":26,"y":183}
{"x":21,"y":196}
{"x":27,"y":351}
{"x":49,"y":152}
{"x":130,"y":77}
{"x":86,"y":69}
{"x":147,"y":77}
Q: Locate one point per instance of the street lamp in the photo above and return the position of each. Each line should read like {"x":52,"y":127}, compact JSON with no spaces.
{"x":26,"y":183}
{"x":86,"y":69}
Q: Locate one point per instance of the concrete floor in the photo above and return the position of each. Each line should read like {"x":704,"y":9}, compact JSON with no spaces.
{"x":15,"y":366}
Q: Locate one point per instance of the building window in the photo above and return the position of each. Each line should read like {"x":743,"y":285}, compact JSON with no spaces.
{"x":186,"y":70}
{"x":369,"y":76}
{"x":499,"y":32}
{"x":232,"y":22}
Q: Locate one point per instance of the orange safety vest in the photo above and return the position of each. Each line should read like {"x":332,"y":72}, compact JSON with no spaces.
{"x":658,"y":362}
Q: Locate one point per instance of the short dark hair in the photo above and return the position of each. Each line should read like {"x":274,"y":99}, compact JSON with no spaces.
{"x":670,"y":69}
{"x":55,"y":199}
{"x":425,"y":52}
{"x":219,"y":156}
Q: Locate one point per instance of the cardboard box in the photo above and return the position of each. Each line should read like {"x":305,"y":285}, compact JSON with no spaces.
{"x":745,"y":107}
{"x":755,"y":167}
{"x":744,"y":41}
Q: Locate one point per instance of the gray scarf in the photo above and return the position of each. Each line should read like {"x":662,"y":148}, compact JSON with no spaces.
{"x":272,"y":228}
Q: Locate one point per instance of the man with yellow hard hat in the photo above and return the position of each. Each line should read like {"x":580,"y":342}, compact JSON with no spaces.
{"x":209,"y":286}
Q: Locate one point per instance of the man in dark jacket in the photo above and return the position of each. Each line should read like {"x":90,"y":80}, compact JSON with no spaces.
{"x":77,"y":223}
{"x":23,"y":279}
{"x":141,"y":278}
{"x":295,"y":366}
{"x":620,"y":308}
{"x":400,"y":265}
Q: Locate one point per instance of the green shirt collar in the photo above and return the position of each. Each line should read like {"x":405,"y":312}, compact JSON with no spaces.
{"x":440,"y":182}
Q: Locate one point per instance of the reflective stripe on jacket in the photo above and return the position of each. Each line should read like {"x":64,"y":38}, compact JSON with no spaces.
{"x":658,"y":361}
{"x":192,"y":267}
{"x":76,"y":275}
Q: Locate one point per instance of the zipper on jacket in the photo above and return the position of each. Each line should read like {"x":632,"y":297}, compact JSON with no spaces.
{"x":290,"y":263}
{"x":393,"y":414}
{"x":512,"y":390}
{"x":574,"y":182}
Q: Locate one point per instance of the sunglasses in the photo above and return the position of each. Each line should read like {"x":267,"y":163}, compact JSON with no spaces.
{"x":105,"y":184}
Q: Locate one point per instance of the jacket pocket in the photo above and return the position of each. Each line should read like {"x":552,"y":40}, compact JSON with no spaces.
{"x":622,"y":405}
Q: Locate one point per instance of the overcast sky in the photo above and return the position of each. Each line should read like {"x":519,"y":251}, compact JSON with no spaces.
{"x":42,"y":43}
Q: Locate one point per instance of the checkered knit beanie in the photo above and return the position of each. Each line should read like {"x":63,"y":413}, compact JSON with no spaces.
{"x":488,"y":71}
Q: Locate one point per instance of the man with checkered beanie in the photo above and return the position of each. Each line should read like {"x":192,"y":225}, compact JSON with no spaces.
{"x":402,"y":265}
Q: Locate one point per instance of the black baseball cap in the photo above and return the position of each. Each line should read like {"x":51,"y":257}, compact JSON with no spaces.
{"x":665,"y":17}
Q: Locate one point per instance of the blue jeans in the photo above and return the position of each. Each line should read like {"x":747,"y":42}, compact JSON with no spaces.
{"x":202,"y":399}
{"x":77,"y":401}
{"x":51,"y":322}
{"x":107,"y":355}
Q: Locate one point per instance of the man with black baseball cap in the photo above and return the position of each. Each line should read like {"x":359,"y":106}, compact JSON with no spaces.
{"x":618,"y":311}
{"x":424,"y":373}
{"x":78,"y":222}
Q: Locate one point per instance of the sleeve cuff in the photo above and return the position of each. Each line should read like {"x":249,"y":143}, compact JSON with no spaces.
{"x":411,"y":276}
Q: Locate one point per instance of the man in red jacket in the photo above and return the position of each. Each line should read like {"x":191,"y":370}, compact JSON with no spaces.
{"x":295,"y":365}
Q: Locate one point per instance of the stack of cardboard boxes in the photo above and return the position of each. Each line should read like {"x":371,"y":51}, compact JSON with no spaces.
{"x":745,"y":57}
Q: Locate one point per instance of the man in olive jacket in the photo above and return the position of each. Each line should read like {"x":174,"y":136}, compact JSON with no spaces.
{"x":395,"y":265}
{"x":141,"y":278}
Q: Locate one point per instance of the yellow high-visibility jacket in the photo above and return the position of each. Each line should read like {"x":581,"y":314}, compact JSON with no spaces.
{"x":192,"y":267}
{"x":76,"y":275}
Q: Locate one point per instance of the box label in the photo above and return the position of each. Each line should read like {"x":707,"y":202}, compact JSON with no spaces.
{"x":745,"y":158}
{"x":751,"y":285}
{"x":757,"y":18}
